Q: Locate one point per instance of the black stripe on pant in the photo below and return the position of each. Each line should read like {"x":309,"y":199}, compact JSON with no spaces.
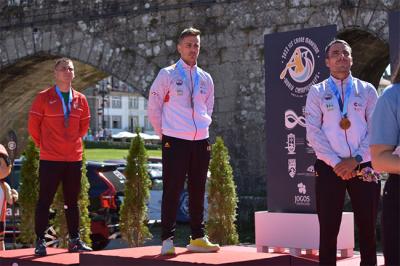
{"x":51,"y":173}
{"x":330,"y":195}
{"x":181,"y":159}
{"x":391,"y":221}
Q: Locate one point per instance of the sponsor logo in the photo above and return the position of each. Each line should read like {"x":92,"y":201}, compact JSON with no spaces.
{"x":328,"y":96}
{"x":52,"y":101}
{"x":311,"y":169}
{"x":310,"y":172}
{"x":292,"y":120}
{"x":358,"y":106}
{"x":179,"y":82}
{"x":292,"y":167}
{"x":329,"y":106}
{"x":302,"y":199}
{"x":167,"y":145}
{"x":179,"y":92}
{"x":298,"y":65}
{"x":12,"y":145}
{"x":302,"y":188}
{"x":75,"y":105}
{"x":291,"y":144}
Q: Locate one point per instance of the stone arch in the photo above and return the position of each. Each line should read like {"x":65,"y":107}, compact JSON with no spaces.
{"x":370,"y":54}
{"x":26,"y":68}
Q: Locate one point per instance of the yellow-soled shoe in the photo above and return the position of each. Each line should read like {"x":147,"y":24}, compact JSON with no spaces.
{"x":168,"y":247}
{"x":202,"y":244}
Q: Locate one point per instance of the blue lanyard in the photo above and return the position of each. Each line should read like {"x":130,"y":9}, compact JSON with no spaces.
{"x":66,"y":108}
{"x":342,"y":104}
{"x":185,"y":80}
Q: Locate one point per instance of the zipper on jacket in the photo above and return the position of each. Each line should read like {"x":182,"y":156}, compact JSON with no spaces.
{"x":345,"y":131}
{"x":192,"y":102}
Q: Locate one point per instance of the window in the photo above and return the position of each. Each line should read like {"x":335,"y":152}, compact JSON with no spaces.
{"x":116,"y":121}
{"x":145,"y":103}
{"x":107,"y":122}
{"x":116,"y":102}
{"x":133,"y":103}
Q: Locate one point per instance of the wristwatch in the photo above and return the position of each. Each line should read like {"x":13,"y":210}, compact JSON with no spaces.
{"x":358,"y":158}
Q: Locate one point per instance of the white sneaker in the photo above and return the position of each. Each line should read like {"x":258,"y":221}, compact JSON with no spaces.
{"x":168,"y":247}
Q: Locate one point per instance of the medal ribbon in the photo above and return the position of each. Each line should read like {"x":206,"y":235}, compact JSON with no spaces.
{"x":342,"y":104}
{"x":66,"y":107}
{"x":185,"y":80}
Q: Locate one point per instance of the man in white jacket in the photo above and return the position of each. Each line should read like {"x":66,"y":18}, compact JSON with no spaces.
{"x":338,"y":117}
{"x":180,"y":106}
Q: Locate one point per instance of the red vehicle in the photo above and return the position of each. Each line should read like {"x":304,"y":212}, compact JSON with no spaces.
{"x":105,"y":195}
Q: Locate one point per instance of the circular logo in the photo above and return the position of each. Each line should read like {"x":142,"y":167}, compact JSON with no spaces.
{"x":301,"y":65}
{"x":298,"y":70}
{"x":12,"y":145}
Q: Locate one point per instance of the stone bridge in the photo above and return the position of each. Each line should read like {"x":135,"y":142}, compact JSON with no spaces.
{"x":132,"y":40}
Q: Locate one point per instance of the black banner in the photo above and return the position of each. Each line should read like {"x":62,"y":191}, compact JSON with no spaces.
{"x":293,"y":62}
{"x":394,"y":39}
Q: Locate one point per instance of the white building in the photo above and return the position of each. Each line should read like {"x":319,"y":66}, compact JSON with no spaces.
{"x":124,"y":108}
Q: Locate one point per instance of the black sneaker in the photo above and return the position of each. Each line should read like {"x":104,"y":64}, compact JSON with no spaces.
{"x":77,"y":245}
{"x":40,"y":249}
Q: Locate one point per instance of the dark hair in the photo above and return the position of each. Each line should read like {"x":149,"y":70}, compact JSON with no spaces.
{"x":328,"y":47}
{"x":188,"y":32}
{"x":395,"y":77}
{"x":61,"y":60}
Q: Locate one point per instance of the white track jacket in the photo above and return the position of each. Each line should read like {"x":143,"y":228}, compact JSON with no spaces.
{"x":180,"y":105}
{"x":329,"y":141}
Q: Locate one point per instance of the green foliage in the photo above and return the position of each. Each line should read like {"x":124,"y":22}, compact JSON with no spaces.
{"x":133,"y":212}
{"x":222,"y":199}
{"x":83,"y":204}
{"x":28,"y":192}
{"x":60,"y":222}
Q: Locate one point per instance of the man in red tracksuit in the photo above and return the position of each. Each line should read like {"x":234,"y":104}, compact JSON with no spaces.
{"x":58,"y":120}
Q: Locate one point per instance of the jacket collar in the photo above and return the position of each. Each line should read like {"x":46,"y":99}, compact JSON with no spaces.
{"x":186,"y":66}
{"x":54,"y":92}
{"x":339,"y":83}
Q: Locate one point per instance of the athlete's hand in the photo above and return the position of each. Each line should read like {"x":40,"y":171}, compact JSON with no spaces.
{"x":345,"y":168}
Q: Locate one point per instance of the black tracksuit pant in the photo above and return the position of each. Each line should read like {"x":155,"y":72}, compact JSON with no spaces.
{"x":391,"y":221}
{"x":330,"y":195}
{"x":183,"y":158}
{"x":51,"y":173}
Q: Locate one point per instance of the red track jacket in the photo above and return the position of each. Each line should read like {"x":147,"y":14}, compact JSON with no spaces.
{"x":46,"y":126}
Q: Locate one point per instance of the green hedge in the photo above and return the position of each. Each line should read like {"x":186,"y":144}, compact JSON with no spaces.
{"x":116,"y":145}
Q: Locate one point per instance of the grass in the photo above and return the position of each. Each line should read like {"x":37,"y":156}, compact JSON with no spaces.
{"x":114,"y":154}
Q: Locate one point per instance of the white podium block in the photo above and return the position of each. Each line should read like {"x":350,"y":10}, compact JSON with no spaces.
{"x":298,"y":231}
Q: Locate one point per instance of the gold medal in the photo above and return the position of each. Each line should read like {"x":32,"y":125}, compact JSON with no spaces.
{"x":345,"y":123}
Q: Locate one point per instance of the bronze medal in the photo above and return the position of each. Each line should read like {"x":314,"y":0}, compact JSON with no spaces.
{"x":345,"y":123}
